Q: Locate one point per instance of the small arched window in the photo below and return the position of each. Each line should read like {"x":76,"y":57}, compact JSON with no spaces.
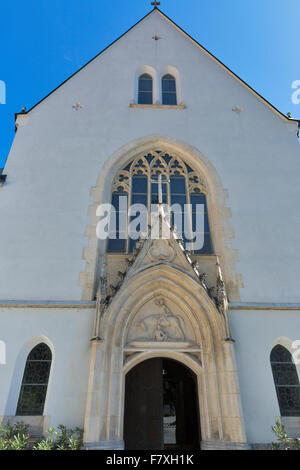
{"x":286,"y":381}
{"x":145,"y":89}
{"x":169,"y":95}
{"x":35,"y":382}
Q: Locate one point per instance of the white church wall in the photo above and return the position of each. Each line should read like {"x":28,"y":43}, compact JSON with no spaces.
{"x":67,"y":332}
{"x":58,"y":154}
{"x":256,"y":332}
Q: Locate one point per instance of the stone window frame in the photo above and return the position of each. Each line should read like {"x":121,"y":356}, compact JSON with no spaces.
{"x":157,"y":87}
{"x":195,"y":184}
{"x":29,"y":360}
{"x":287,"y":344}
{"x":94,"y":252}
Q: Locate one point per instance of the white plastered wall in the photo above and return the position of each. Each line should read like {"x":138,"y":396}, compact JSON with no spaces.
{"x":256,"y":333}
{"x":67,"y":332}
{"x":57,"y":156}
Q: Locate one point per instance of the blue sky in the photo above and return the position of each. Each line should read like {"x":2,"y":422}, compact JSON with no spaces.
{"x":43,"y":42}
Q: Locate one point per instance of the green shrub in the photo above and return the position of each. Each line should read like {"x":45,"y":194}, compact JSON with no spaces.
{"x":16,"y":437}
{"x":284,"y":441}
{"x":63,"y":439}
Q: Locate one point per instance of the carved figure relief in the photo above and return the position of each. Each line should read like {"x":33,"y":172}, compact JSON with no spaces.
{"x":161,"y":250}
{"x":163,"y":326}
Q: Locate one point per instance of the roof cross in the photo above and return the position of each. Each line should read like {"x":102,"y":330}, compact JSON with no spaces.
{"x":155,"y":3}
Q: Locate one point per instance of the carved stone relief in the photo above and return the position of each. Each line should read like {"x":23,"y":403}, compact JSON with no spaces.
{"x":163,"y":326}
{"x":161,"y":250}
{"x":159,"y":321}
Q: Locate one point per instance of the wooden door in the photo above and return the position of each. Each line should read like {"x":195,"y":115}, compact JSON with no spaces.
{"x":143,"y":415}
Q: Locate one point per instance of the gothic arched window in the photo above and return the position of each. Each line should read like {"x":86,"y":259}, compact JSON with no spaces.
{"x":169,"y":95}
{"x":286,"y":381}
{"x":138,"y":183}
{"x":145,"y":89}
{"x":35,"y":382}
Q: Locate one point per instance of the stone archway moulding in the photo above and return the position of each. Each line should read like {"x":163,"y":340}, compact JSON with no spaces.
{"x":213,"y":363}
{"x":222,"y":233}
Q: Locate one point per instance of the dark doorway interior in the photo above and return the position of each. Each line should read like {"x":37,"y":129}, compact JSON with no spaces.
{"x":161,"y":410}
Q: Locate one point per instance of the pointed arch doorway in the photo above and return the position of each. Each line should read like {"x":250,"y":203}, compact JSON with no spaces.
{"x":161,"y":406}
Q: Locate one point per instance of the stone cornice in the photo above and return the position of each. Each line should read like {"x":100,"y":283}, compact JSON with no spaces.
{"x":92,"y":304}
{"x":263,"y":306}
{"x":46,"y":304}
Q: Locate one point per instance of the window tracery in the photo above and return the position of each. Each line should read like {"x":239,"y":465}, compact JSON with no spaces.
{"x":35,"y":382}
{"x":180,"y":185}
{"x":286,"y":381}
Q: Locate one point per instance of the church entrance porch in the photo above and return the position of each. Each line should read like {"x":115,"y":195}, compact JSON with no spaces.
{"x":161,"y":409}
{"x":161,"y":356}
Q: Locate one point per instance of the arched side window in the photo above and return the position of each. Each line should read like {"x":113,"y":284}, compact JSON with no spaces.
{"x":169,"y":94}
{"x":137,"y":183}
{"x":145,"y":89}
{"x":35,"y":382}
{"x":286,"y":381}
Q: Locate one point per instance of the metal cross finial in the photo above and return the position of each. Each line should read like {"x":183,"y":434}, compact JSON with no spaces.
{"x":155,"y":3}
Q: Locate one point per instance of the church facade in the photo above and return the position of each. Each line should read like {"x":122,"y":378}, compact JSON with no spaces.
{"x":152,"y":342}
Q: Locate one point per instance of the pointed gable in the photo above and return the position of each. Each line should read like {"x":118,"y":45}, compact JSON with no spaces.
{"x":164,"y":17}
{"x":161,"y":247}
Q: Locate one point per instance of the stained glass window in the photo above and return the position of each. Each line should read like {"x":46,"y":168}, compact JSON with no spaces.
{"x":145,"y":89}
{"x":286,"y":381}
{"x":169,"y":95}
{"x":181,"y":185}
{"x":35,"y":382}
